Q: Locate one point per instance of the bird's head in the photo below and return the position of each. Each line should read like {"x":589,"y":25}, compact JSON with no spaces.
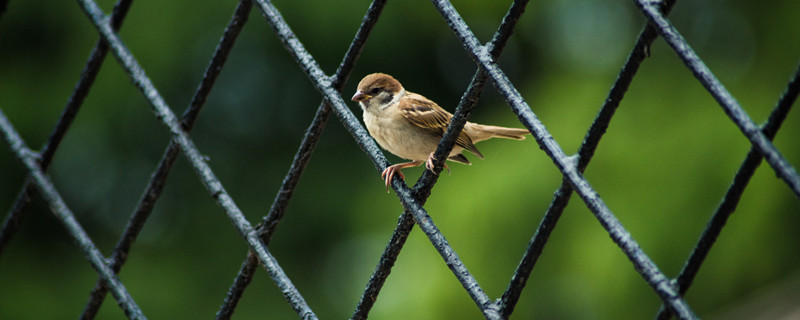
{"x":378,"y":90}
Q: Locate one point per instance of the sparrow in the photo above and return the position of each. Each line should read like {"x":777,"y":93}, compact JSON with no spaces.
{"x":410,"y":126}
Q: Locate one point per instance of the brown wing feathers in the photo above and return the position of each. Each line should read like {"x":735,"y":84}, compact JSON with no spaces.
{"x":426,"y":114}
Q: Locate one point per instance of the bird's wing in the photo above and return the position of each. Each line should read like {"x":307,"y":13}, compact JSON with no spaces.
{"x":426,"y":114}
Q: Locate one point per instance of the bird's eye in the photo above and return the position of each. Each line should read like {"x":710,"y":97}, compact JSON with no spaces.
{"x":375,"y":90}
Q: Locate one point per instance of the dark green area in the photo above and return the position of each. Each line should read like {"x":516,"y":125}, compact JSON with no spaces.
{"x":662,"y":168}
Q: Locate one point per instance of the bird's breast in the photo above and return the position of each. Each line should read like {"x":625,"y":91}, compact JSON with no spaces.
{"x":400,"y":137}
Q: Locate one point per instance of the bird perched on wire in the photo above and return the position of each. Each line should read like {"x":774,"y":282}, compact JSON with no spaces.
{"x":410,"y":126}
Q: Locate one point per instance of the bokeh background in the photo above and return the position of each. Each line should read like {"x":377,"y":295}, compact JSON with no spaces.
{"x":667,"y":159}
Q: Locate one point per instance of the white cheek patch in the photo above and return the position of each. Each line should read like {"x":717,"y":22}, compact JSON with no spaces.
{"x":395,"y":98}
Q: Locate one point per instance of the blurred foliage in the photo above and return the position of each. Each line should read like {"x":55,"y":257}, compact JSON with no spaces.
{"x":663,"y":166}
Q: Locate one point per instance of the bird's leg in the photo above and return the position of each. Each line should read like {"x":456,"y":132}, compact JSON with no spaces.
{"x":390,"y":171}
{"x":429,"y":164}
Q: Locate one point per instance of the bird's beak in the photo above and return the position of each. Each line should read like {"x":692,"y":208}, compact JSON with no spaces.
{"x":360,"y":96}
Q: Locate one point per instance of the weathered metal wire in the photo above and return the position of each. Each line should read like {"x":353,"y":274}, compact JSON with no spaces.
{"x":159,"y":177}
{"x":590,"y":142}
{"x":268,"y":225}
{"x":642,"y":263}
{"x":88,"y":75}
{"x":422,"y":188}
{"x":734,"y":193}
{"x":204,"y":172}
{"x":485,"y":56}
{"x":751,"y":130}
{"x":59,"y":208}
{"x":312,"y":70}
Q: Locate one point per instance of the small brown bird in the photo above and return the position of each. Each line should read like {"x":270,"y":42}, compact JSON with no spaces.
{"x":410,"y":125}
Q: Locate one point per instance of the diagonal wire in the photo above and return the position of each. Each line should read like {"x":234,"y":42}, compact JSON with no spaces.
{"x":89,"y":73}
{"x":351,"y":124}
{"x":59,"y":208}
{"x":734,"y":193}
{"x":751,"y":130}
{"x":204,"y":172}
{"x":268,"y":225}
{"x":318,"y":124}
{"x":642,"y":263}
{"x":585,"y":152}
{"x":29,"y":158}
{"x":424,"y":185}
{"x":159,"y":177}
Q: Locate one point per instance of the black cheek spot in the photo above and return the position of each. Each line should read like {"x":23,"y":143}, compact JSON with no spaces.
{"x":388,"y":98}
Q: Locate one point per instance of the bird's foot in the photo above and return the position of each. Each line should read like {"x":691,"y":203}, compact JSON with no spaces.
{"x":429,"y":164}
{"x":388,"y":174}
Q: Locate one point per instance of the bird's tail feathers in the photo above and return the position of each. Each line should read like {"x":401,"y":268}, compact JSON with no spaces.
{"x":480,"y":132}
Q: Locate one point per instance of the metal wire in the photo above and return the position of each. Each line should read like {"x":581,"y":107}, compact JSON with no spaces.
{"x":206,"y":175}
{"x":731,"y":107}
{"x":353,"y":126}
{"x":642,"y":263}
{"x":734,"y":193}
{"x":59,"y":208}
{"x":562,"y":196}
{"x":270,"y":222}
{"x":412,"y":199}
{"x":422,"y":188}
{"x":88,"y":75}
{"x":159,"y":177}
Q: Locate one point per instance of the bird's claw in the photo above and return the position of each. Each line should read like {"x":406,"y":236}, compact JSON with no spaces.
{"x":388,"y":174}
{"x":429,"y":164}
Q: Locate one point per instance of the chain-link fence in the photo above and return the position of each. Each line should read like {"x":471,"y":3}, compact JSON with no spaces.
{"x":669,"y":290}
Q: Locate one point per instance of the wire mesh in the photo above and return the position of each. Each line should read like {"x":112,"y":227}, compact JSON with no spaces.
{"x":486,"y":56}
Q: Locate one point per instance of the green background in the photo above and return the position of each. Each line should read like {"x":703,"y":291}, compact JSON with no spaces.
{"x":662,"y":168}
